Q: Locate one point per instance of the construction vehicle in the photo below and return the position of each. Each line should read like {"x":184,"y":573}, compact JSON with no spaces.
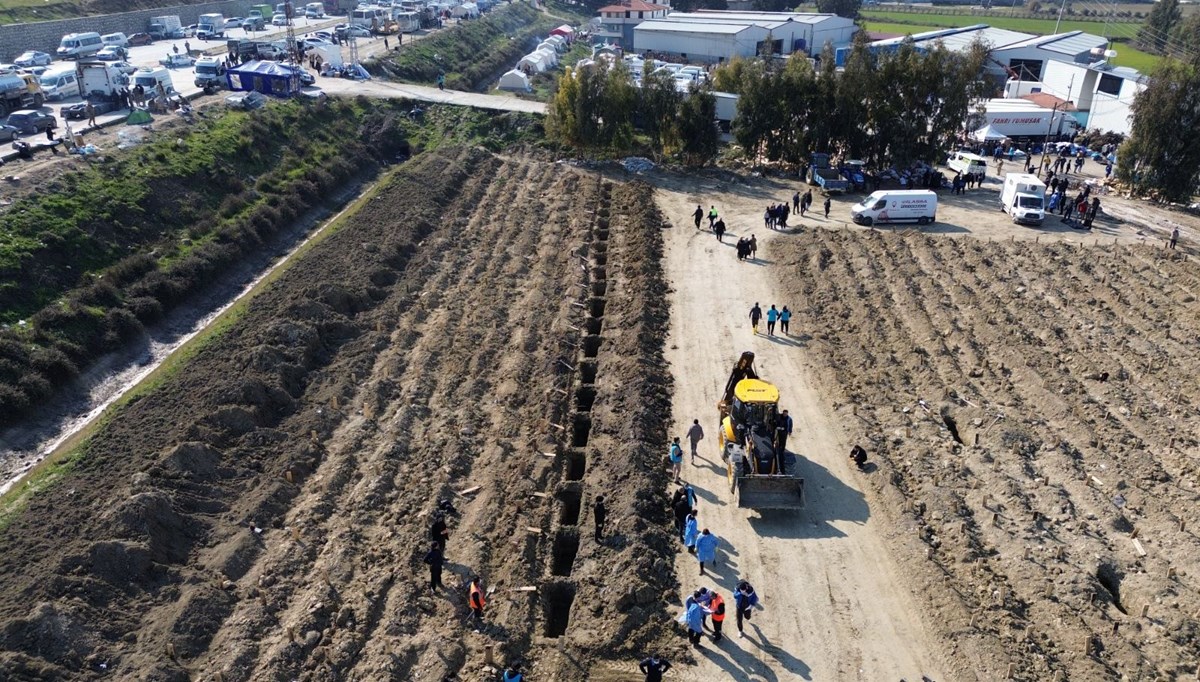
{"x":761,"y":472}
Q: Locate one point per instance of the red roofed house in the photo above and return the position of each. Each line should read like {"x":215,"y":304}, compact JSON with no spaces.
{"x":617,"y":21}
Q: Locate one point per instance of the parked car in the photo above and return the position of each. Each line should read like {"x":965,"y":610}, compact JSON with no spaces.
{"x":314,"y":42}
{"x":8,"y":133}
{"x":124,"y":67}
{"x":269,"y":51}
{"x":29,"y":121}
{"x":252,"y":24}
{"x":34,"y":70}
{"x":78,"y":112}
{"x":8,"y":68}
{"x":324,"y":35}
{"x":33,"y":58}
{"x":112,"y":53}
{"x":176,"y":60}
{"x":344,"y":31}
{"x":234,"y":21}
{"x":138,"y":39}
{"x":246,"y":100}
{"x":189,"y":31}
{"x":279,"y":20}
{"x":306,"y":78}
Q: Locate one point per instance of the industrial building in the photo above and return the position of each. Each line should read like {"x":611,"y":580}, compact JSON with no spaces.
{"x":716,"y":36}
{"x":1072,"y":67}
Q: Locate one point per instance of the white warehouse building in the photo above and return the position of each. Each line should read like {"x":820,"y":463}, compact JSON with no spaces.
{"x":715,"y":35}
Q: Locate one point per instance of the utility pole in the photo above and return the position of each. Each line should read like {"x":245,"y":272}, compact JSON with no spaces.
{"x":1061,"y":9}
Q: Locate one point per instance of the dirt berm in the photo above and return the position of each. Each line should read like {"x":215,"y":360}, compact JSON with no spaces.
{"x":486,"y":329}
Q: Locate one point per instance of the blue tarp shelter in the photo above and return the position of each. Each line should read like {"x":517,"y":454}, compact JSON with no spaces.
{"x":269,"y":78}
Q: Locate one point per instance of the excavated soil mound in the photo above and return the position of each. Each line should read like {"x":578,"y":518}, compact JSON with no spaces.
{"x":486,"y":330}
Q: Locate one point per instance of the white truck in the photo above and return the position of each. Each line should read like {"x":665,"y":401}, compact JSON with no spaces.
{"x":166,"y":27}
{"x":1016,"y":117}
{"x":1024,"y":198}
{"x":210,"y":26}
{"x":99,"y":85}
{"x":896,"y":206}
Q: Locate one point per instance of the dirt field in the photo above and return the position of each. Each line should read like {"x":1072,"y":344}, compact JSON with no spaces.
{"x":264,"y":515}
{"x":1073,"y":364}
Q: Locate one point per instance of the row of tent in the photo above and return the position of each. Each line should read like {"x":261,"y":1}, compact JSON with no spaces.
{"x":542,"y":59}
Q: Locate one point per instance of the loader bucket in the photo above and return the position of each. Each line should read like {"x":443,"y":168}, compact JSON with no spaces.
{"x":770,"y":492}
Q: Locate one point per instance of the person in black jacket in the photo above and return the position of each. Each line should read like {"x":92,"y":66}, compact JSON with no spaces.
{"x":435,"y":559}
{"x":653,"y":668}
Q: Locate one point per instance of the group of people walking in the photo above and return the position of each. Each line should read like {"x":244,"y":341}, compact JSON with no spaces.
{"x":705,"y":603}
{"x":783,"y":317}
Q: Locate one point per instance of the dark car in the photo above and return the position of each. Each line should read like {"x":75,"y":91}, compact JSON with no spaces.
{"x":79,"y":111}
{"x":138,"y":39}
{"x":28,"y":121}
{"x":8,"y":133}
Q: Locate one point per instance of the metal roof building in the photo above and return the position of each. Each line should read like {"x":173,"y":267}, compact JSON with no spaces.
{"x":789,"y":31}
{"x":699,"y":42}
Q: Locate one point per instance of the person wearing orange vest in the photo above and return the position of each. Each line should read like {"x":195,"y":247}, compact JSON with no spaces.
{"x":475,"y":599}
{"x":718,"y":615}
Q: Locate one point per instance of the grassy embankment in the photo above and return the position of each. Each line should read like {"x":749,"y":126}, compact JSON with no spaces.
{"x":436,"y":126}
{"x":472,"y":53}
{"x":84,"y":265}
{"x":886,"y":21}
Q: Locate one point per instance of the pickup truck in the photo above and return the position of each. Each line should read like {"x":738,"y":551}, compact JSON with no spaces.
{"x":821,"y":175}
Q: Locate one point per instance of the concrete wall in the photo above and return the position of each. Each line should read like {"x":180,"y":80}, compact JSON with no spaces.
{"x":45,"y":35}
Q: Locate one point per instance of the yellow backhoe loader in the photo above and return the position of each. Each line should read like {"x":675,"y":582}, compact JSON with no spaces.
{"x":761,"y":470}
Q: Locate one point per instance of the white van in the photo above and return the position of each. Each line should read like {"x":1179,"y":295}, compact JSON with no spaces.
{"x":967,"y":163}
{"x":151,"y":77}
{"x":115,"y":40}
{"x":1024,"y":198}
{"x":314,"y":10}
{"x":76,"y":45}
{"x":896,"y":206}
{"x":59,"y":84}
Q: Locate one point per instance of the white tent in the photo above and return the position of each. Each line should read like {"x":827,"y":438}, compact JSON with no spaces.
{"x":551,"y":56}
{"x":547,"y":45}
{"x":559,"y":42}
{"x":468,"y":9}
{"x":987,"y":134}
{"x":515,"y":80}
{"x":533,"y":63}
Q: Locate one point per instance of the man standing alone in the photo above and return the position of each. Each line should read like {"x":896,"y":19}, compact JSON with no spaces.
{"x":653,"y":668}
{"x":755,"y":316}
{"x":695,"y":434}
{"x":698,"y":215}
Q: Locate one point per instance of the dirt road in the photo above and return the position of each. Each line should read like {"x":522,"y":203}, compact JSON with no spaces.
{"x":835,"y":607}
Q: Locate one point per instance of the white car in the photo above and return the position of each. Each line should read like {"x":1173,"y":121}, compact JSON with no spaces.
{"x":8,"y":68}
{"x":279,"y":20}
{"x":124,"y":67}
{"x":112,"y":53}
{"x":175,"y":60}
{"x":315,"y":42}
{"x":33,"y":58}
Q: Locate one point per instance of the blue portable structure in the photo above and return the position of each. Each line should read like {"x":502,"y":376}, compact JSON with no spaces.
{"x":269,"y":78}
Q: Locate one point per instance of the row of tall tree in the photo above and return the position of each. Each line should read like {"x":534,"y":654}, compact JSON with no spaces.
{"x":889,"y":108}
{"x":1161,"y":158}
{"x":1168,"y":32}
{"x":596,"y":109}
